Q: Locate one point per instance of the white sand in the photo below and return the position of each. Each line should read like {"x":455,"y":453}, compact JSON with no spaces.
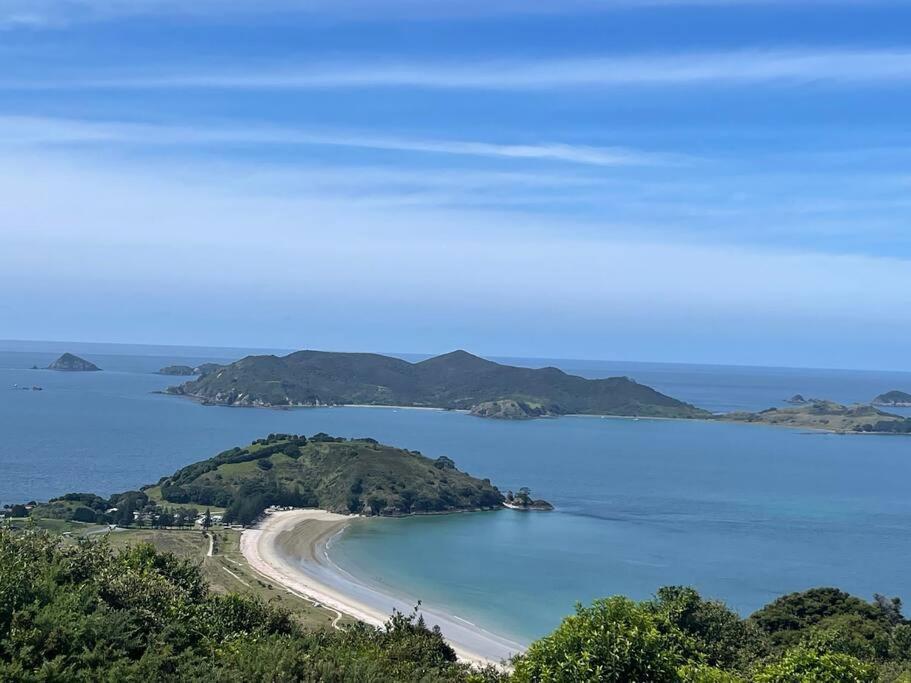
{"x":290,"y":548}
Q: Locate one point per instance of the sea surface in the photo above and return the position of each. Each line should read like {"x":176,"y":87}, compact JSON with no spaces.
{"x":743,"y":512}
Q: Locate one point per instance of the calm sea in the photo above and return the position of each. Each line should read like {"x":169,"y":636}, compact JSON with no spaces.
{"x":742,"y":512}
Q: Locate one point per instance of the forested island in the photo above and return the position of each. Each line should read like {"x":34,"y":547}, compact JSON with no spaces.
{"x":457,"y":380}
{"x":894,"y":399}
{"x":70,"y":363}
{"x":350,"y":476}
{"x":828,"y":415}
{"x":357,"y":476}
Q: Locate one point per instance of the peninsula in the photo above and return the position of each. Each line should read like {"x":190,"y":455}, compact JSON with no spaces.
{"x":893,"y":399}
{"x":178,"y":370}
{"x":829,"y":416}
{"x":457,"y":380}
{"x":357,"y":476}
{"x":70,"y":363}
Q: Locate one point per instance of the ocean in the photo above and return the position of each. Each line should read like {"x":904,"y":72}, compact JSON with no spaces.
{"x":742,"y":512}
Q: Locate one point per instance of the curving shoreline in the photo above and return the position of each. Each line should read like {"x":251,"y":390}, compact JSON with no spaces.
{"x":289,"y":547}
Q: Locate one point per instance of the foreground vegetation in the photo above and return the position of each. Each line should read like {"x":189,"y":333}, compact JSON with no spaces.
{"x":86,"y":611}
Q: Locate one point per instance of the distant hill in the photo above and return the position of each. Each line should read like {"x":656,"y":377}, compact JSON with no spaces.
{"x":178,"y":370}
{"x":830,"y":416}
{"x":359,"y":476}
{"x":895,"y":399}
{"x":72,"y":363}
{"x":457,"y":380}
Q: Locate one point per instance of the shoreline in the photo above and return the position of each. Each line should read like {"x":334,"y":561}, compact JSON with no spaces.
{"x":290,"y":548}
{"x":715,"y":417}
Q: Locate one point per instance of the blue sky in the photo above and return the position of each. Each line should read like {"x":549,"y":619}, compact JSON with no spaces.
{"x":708,"y":181}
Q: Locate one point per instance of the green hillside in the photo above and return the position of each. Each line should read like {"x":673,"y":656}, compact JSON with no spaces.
{"x":357,"y":476}
{"x":456,"y":380}
{"x":830,"y":416}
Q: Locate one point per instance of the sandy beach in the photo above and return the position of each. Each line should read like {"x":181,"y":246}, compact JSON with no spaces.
{"x":289,"y":547}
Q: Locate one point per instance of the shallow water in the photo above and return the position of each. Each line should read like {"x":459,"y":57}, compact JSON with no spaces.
{"x":743,"y":512}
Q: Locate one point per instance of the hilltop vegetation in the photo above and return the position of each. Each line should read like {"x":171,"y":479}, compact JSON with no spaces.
{"x":456,"y":380}
{"x":350,"y":476}
{"x":828,"y":415}
{"x":84,"y":612}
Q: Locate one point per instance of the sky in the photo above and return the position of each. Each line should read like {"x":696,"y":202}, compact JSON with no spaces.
{"x":709,"y":181}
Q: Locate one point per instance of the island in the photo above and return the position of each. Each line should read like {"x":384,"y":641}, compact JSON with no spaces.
{"x":510,"y":409}
{"x":350,"y":476}
{"x":457,"y":380}
{"x":797,"y":400}
{"x":523,"y":501}
{"x":178,"y":370}
{"x":893,"y":399}
{"x":829,"y":416}
{"x":70,"y":363}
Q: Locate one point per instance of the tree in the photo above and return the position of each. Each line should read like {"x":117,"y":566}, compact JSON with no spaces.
{"x":18,"y":510}
{"x":207,"y":520}
{"x":613,"y":641}
{"x":84,"y":514}
{"x":810,"y":664}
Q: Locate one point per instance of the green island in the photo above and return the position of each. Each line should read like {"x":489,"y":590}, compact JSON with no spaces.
{"x":70,"y":363}
{"x":455,"y":381}
{"x":178,"y":370}
{"x":352,"y":476}
{"x":894,"y":399}
{"x":348,"y":476}
{"x":829,"y":416}
{"x":155,"y":605}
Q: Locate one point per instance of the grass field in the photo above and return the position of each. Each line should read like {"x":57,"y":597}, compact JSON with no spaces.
{"x":227,"y":570}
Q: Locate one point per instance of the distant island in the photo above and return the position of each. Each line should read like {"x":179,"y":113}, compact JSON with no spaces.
{"x":71,"y":363}
{"x":830,"y":416}
{"x":797,"y":400}
{"x":457,"y":380}
{"x":893,"y":399}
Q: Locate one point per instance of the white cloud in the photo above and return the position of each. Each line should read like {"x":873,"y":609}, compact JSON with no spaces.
{"x":37,"y":131}
{"x":737,"y":67}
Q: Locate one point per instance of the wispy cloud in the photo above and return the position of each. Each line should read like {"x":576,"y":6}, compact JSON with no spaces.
{"x":738,"y":67}
{"x":58,"y":13}
{"x":30,"y":130}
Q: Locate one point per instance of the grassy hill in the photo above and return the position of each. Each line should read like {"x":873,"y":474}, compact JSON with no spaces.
{"x":456,"y":380}
{"x":359,"y":476}
{"x":828,"y":415}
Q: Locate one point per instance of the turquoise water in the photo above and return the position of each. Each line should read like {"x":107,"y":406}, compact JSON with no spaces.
{"x":743,"y":512}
